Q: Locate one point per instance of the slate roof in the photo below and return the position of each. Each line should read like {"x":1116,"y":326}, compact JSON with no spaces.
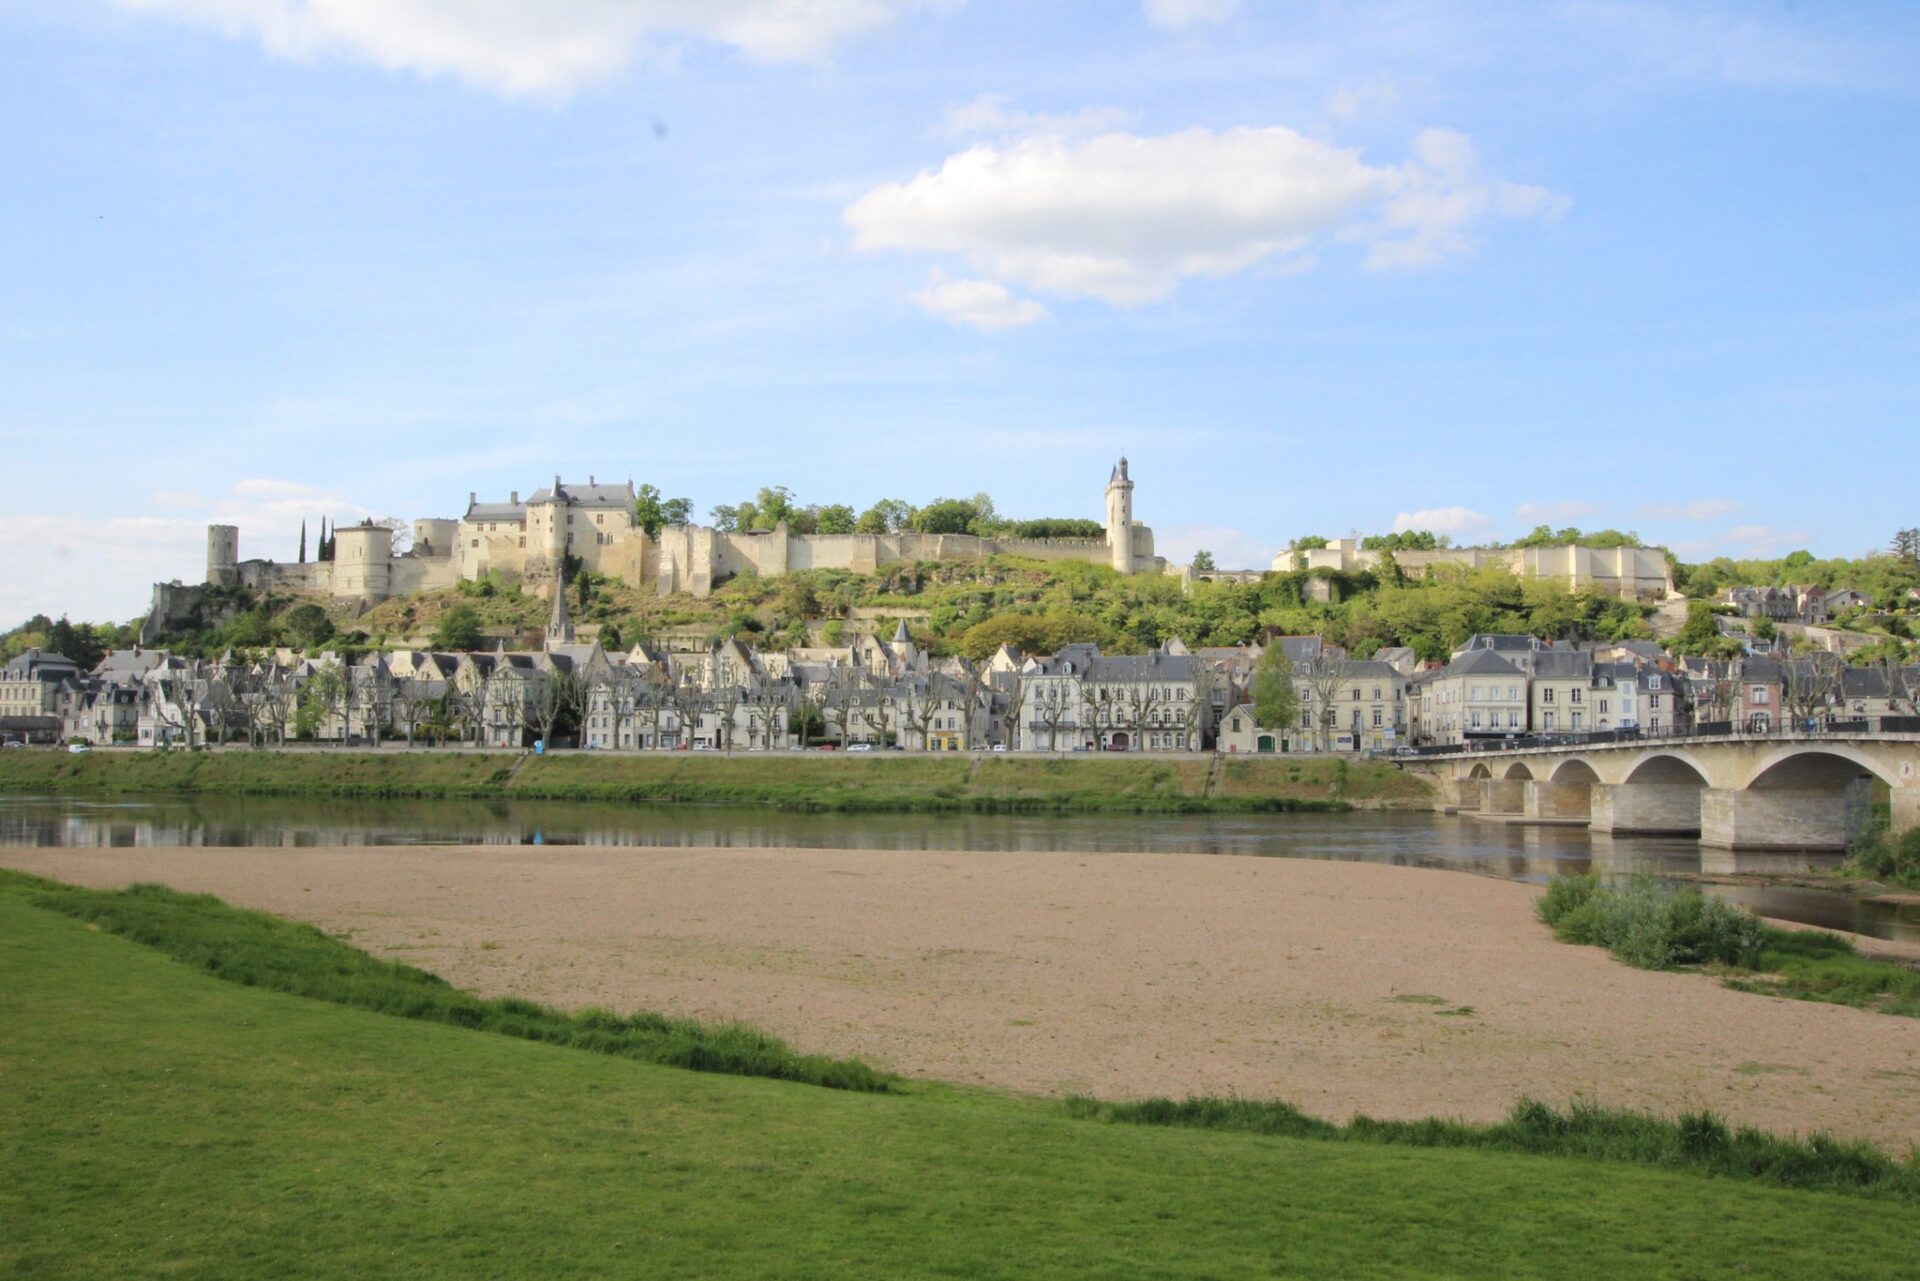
{"x":589,"y":495}
{"x":502,"y":513}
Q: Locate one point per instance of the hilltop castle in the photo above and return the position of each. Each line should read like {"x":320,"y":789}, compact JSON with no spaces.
{"x":529,"y":541}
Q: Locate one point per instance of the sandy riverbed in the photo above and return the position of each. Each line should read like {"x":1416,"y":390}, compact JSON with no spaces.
{"x":1342,"y":987}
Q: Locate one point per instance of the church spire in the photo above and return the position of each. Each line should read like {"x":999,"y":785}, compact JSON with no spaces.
{"x":560,"y":626}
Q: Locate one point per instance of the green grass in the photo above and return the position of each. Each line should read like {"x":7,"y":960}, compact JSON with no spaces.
{"x":1654,"y":926}
{"x":1698,"y":1141}
{"x":904,"y":782}
{"x":159,"y":1123}
{"x":258,"y":950}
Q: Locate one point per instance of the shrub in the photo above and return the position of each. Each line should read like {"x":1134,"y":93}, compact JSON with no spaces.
{"x":1697,"y":1141}
{"x":1651,"y":925}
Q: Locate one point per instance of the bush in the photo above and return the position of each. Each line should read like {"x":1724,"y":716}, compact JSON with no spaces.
{"x":1885,"y":858}
{"x":1651,"y":925}
{"x":1697,"y":1141}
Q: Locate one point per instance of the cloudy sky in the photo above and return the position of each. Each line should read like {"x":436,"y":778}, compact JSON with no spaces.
{"x":1315,"y":266}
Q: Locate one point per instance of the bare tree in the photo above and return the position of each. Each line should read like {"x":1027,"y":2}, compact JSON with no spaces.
{"x":1008,"y":688}
{"x":876,"y":712}
{"x":414,"y":701}
{"x":919,"y":707}
{"x":767,"y":708}
{"x":1812,"y":685}
{"x":1051,"y":703}
{"x":1196,"y":717}
{"x":557,"y":697}
{"x":1903,"y":690}
{"x":1326,"y":677}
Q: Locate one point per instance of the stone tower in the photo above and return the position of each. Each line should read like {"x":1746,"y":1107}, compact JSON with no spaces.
{"x":223,"y":555}
{"x":363,"y":562}
{"x":1120,"y":518}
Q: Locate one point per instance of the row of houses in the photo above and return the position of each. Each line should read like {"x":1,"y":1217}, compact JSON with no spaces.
{"x":874,"y":694}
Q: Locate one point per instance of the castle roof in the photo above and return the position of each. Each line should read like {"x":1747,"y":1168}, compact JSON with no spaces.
{"x":510,"y":513}
{"x":591,"y":494}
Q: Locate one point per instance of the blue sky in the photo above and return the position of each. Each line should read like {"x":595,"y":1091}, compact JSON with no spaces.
{"x":1315,"y":267}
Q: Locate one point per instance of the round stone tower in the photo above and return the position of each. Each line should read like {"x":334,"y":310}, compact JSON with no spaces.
{"x":363,"y":562}
{"x":223,"y":555}
{"x":1120,"y":518}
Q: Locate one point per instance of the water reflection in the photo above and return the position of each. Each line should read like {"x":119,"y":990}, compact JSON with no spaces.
{"x":1409,"y":840}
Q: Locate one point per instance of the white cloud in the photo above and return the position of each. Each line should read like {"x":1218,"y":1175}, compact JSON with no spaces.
{"x":1698,"y":509}
{"x":1455,"y":522}
{"x":1177,"y":15}
{"x":990,"y":114}
{"x":1438,"y":201}
{"x":103,"y":569}
{"x":1127,"y":219}
{"x":1553,"y":512}
{"x":529,"y":46}
{"x":1231,"y":548}
{"x":980,"y":304}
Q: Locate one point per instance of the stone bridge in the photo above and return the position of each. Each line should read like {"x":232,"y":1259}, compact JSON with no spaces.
{"x":1786,"y":791}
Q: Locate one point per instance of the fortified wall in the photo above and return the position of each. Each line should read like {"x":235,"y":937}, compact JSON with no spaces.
{"x":595,"y":524}
{"x":1637,"y":573}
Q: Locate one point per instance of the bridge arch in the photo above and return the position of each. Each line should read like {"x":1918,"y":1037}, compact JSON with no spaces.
{"x":1809,"y":766}
{"x":1668,"y":767}
{"x":1575,"y":770}
{"x":1518,"y":770}
{"x":1480,"y":770}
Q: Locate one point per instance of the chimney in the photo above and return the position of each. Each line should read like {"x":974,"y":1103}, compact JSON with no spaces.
{"x":591,"y":479}
{"x":473,"y":496}
{"x":516,"y":496}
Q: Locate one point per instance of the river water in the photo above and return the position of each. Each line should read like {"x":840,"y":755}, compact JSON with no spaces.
{"x":1408,"y":840}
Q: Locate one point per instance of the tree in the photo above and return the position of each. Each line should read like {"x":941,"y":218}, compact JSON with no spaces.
{"x":1202,"y":560}
{"x":401,"y":532}
{"x":80,"y":644}
{"x":1326,"y":677}
{"x":307,"y":626}
{"x":1906,"y":545}
{"x":945,"y":516}
{"x":835,"y":518}
{"x":1276,"y":703}
{"x":888,"y":516}
{"x":556,"y":701}
{"x":654,"y":513}
{"x":459,"y":629}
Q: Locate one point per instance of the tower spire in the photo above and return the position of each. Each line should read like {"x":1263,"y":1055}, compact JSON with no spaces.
{"x":560,"y":626}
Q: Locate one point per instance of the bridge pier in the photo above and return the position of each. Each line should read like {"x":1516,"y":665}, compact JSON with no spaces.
{"x":1783,"y":818}
{"x":1652,"y":809}
{"x":1501,"y":796}
{"x":1465,"y":793}
{"x":1556,"y":800}
{"x":1906,"y":808}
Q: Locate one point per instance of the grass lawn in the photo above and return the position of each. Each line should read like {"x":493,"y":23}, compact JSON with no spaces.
{"x":160,"y":1122}
{"x":879,"y":782}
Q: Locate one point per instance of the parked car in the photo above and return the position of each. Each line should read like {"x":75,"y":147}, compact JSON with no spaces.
{"x":14,"y":742}
{"x":78,"y":748}
{"x":825,"y":747}
{"x":999,"y":747}
{"x":861,"y":747}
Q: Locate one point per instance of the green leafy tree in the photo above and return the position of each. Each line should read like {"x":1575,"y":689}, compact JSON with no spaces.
{"x":888,"y":516}
{"x":654,"y":513}
{"x":835,"y":518}
{"x":307,"y":626}
{"x":459,"y":629}
{"x":1276,"y":703}
{"x":946,"y":516}
{"x":1203,"y":560}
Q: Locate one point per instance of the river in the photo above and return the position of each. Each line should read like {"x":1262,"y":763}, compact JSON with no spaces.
{"x":1409,"y":840}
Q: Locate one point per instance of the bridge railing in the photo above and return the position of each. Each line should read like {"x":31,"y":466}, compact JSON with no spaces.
{"x":1721,"y":731}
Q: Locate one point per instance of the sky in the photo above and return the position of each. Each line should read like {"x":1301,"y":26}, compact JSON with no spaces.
{"x":1314,"y":266}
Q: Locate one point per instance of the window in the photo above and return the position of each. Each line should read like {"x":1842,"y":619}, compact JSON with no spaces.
{"x":1603,"y":707}
{"x":1759,"y":695}
{"x":1546,"y":696}
{"x":1576,"y":721}
{"x":1476,"y":718}
{"x":476,"y":543}
{"x":1356,"y":694}
{"x":1573,"y":696}
{"x":1513,"y":719}
{"x":1513,"y":692}
{"x":1474,"y":693}
{"x":1547,"y":722}
{"x":1376,"y":718}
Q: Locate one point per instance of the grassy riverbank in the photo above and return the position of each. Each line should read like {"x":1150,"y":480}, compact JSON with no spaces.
{"x":168,"y":1123}
{"x":898,"y":782}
